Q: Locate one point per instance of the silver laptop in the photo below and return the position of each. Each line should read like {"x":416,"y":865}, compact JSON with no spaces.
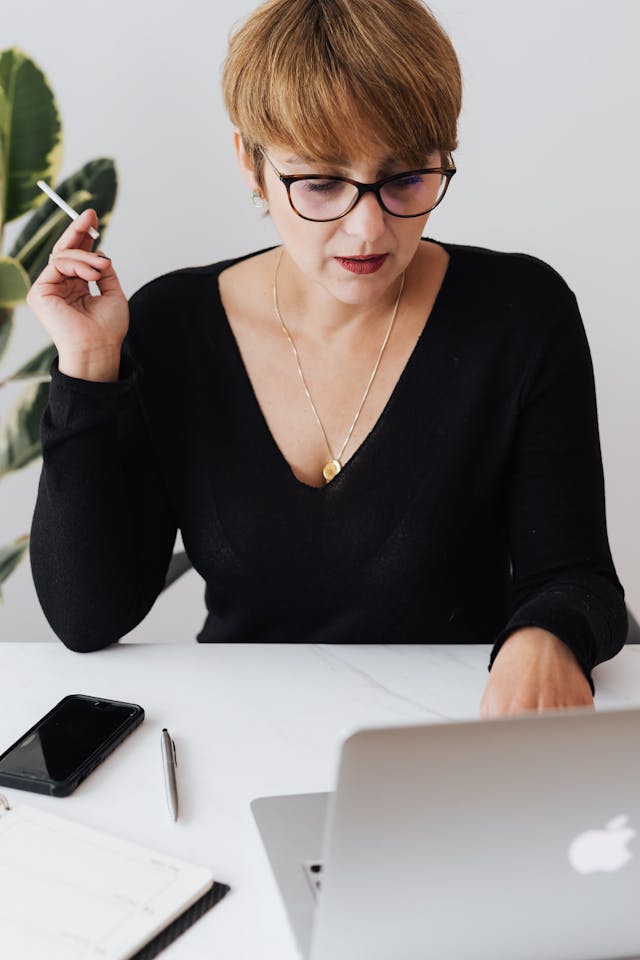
{"x":510,"y":839}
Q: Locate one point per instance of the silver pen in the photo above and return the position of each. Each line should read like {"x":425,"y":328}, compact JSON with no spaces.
{"x":169,"y":764}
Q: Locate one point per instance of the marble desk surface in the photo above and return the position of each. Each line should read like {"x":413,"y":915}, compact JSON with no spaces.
{"x":248,"y":721}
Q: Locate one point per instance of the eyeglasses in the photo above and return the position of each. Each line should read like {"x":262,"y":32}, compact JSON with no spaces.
{"x":322,"y":198}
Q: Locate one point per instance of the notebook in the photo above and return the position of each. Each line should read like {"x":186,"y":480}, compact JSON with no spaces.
{"x":69,"y":892}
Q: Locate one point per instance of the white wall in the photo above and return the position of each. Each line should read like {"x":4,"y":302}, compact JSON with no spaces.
{"x":549,"y":164}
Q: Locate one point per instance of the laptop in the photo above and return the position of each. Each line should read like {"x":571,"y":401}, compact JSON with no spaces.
{"x":506,"y":839}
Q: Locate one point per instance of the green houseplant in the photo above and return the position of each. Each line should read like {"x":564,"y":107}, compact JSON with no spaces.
{"x":30,"y":150}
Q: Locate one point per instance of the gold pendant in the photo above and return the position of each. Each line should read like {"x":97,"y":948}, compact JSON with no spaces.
{"x":331,"y":469}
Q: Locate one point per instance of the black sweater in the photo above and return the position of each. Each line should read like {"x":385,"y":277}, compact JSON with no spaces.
{"x":475,"y":506}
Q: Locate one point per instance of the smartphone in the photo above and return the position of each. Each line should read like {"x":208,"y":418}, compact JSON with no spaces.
{"x":62,"y":748}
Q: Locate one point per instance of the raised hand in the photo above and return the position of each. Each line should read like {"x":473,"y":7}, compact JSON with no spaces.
{"x":87,"y":330}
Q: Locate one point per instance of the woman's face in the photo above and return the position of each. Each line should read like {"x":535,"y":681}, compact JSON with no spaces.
{"x":324,"y":252}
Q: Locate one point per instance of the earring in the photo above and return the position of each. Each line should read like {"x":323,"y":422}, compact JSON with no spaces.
{"x":258,"y":199}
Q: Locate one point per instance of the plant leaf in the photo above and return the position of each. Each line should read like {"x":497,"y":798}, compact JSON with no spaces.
{"x":4,"y":110}
{"x":30,"y":132}
{"x":37,"y":368}
{"x":20,"y":430}
{"x":6,"y":326}
{"x":93,"y":185}
{"x":10,"y":557}
{"x":14,"y":282}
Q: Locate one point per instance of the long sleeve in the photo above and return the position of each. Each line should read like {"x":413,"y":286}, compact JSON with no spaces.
{"x":103,"y":529}
{"x":475,"y":505}
{"x":564,"y":579}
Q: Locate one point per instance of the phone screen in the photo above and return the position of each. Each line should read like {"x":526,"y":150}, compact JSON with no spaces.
{"x":65,"y":738}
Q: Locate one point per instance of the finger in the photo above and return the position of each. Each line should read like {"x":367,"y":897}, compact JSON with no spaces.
{"x":566,"y":699}
{"x":73,"y":266}
{"x":60,"y":271}
{"x":108,"y":283}
{"x":88,"y":266}
{"x":97,"y":260}
{"x":77,"y":235}
{"x":506,"y":703}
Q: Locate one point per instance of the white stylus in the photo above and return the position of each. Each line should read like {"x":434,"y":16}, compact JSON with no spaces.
{"x":65,"y":206}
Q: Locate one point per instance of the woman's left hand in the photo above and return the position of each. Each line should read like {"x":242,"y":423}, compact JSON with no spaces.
{"x":534,"y":670}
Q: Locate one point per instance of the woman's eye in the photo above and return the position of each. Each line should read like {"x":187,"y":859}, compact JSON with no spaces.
{"x":321,"y":186}
{"x":406,"y":181}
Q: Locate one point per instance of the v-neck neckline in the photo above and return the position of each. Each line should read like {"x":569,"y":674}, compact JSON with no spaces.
{"x":371,"y":436}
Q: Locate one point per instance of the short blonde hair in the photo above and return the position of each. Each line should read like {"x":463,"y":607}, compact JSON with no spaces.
{"x":330,"y":77}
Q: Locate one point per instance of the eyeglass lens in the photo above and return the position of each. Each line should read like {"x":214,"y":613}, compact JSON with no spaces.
{"x":406,"y":196}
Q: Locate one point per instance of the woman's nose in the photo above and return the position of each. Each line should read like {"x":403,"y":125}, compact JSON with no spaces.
{"x":367,"y":219}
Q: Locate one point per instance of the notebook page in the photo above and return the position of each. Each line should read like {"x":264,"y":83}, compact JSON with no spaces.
{"x":69,"y":892}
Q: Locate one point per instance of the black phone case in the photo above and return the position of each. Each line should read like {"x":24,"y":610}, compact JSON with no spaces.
{"x":62,"y":788}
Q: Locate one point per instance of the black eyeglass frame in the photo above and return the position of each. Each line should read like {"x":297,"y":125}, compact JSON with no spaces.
{"x":363,"y":188}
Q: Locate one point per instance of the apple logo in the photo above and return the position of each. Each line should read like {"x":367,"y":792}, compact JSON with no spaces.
{"x":602,"y":849}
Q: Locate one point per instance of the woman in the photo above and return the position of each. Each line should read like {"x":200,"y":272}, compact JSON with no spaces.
{"x":363,"y":435}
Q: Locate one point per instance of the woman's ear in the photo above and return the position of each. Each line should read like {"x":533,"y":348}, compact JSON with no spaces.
{"x":244,"y":162}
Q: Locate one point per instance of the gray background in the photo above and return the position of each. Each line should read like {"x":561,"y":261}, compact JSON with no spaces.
{"x":548,"y":165}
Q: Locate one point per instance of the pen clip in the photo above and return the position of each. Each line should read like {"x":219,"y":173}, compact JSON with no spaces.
{"x":172,"y":752}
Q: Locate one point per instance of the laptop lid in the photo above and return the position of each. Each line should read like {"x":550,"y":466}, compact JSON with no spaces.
{"x":510,"y":839}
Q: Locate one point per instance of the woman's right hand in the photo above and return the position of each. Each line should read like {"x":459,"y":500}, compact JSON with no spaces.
{"x":87,"y":330}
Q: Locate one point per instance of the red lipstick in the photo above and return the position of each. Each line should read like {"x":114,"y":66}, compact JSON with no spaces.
{"x":363,"y":265}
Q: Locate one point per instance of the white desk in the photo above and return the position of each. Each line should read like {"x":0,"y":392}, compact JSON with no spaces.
{"x":248,"y":721}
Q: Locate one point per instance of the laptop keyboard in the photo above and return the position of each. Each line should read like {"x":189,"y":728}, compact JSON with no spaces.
{"x":313,"y":872}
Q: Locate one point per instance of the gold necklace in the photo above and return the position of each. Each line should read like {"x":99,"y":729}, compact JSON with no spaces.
{"x":333,"y":466}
